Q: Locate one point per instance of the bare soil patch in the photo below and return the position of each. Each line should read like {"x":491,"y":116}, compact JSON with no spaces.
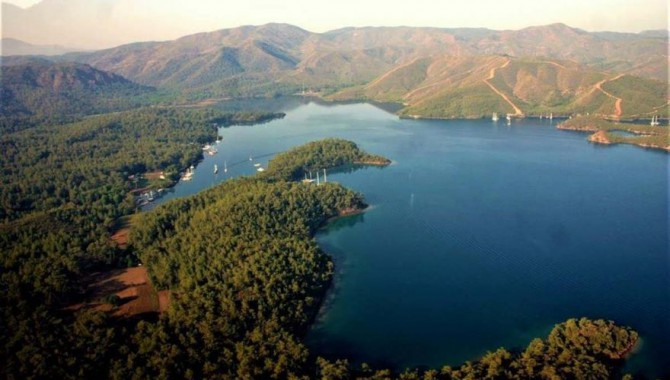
{"x":136,"y":295}
{"x":152,"y":176}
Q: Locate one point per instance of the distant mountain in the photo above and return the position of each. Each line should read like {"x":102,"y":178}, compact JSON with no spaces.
{"x":41,"y":89}
{"x":205,"y":58}
{"x":660,"y":33}
{"x":477,"y":86}
{"x":11,"y":46}
{"x":278,"y":56}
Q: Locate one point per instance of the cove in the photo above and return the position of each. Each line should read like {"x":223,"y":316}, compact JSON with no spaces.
{"x":480,"y":235}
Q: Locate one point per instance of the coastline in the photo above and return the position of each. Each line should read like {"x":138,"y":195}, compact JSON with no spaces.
{"x":347,"y":213}
{"x":380,"y":163}
{"x":647,"y":137}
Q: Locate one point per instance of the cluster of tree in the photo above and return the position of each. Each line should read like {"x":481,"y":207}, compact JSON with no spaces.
{"x":246,"y":279}
{"x":87,"y":164}
{"x":575,"y":349}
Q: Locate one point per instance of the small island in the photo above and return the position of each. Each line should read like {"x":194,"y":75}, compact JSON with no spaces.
{"x":318,"y":155}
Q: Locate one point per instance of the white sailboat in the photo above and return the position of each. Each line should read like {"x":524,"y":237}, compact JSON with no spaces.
{"x":225,"y":167}
{"x":495,"y":116}
{"x":216,"y":169}
{"x":551,"y":116}
{"x":188,"y":175}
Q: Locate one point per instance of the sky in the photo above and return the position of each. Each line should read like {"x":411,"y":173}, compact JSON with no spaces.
{"x":134,"y":20}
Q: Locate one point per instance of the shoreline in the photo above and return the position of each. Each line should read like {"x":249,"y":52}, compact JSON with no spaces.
{"x":378,"y":163}
{"x":601,"y":134}
{"x":347,"y":213}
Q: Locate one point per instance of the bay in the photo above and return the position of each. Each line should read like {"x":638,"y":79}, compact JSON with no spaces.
{"x":481,"y":235}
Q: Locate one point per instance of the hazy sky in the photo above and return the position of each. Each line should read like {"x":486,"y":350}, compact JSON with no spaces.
{"x":168,"y":19}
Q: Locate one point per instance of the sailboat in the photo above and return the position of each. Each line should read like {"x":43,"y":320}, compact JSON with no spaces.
{"x":509,"y":119}
{"x":188,"y":175}
{"x":551,"y":116}
{"x":495,"y":116}
{"x":225,"y":167}
{"x":654,"y":120}
{"x":216,"y":169}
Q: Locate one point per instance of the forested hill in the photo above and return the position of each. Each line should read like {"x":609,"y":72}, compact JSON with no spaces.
{"x":41,"y":90}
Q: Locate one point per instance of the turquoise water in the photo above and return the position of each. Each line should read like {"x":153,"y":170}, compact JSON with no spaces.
{"x":480,"y":235}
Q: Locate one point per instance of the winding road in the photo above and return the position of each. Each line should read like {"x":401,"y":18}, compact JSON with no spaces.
{"x":617,"y":105}
{"x":492,"y":73}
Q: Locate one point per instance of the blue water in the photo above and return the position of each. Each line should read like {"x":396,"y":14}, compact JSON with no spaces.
{"x":480,"y":235}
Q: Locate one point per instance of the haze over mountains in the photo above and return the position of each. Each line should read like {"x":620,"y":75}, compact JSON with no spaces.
{"x":12,"y":46}
{"x":552,"y":68}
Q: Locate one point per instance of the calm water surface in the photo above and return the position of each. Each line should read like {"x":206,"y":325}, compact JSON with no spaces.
{"x":481,"y":235}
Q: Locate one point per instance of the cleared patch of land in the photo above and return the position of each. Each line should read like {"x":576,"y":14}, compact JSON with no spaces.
{"x":136,"y":295}
{"x":153,"y":176}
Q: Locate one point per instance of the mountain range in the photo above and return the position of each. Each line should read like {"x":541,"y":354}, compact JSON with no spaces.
{"x":435,"y":72}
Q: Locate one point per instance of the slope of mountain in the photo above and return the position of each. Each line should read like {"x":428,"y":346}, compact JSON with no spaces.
{"x":249,"y":58}
{"x":41,"y":89}
{"x":436,"y":72}
{"x":448,"y":86}
{"x":11,"y":46}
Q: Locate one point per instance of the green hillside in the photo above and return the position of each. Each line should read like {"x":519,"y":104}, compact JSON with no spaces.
{"x":473,"y":87}
{"x":41,"y":90}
